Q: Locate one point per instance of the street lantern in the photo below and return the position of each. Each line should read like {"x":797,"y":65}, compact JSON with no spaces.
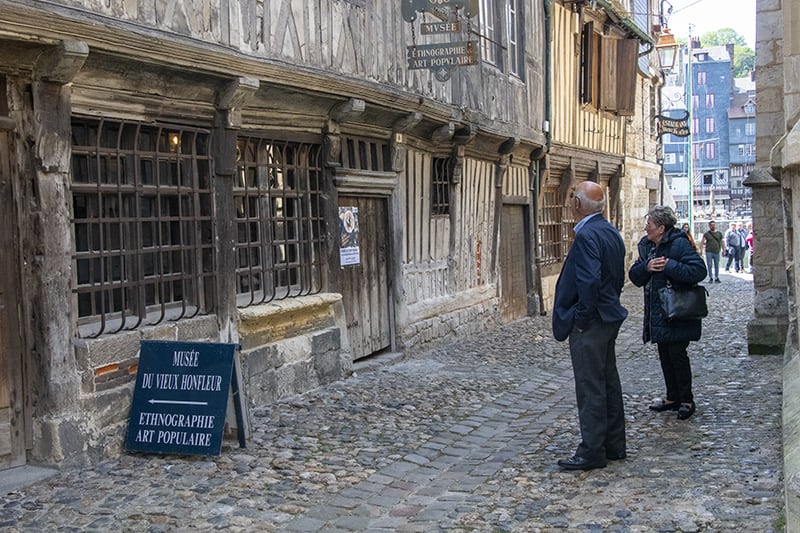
{"x":667,"y":49}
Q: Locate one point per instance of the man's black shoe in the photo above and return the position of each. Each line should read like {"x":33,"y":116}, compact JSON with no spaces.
{"x":576,"y":462}
{"x":616,"y":456}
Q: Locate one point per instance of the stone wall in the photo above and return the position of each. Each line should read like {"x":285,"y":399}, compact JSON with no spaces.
{"x":774,"y":181}
{"x":292,"y":346}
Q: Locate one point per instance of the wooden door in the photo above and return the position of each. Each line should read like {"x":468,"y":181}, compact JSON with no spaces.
{"x":12,"y":431}
{"x":513,"y":263}
{"x":365,"y":286}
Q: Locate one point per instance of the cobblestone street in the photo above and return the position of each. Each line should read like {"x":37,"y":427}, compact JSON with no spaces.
{"x":465,"y":438}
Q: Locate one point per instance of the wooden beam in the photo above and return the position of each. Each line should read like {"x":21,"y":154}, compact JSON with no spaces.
{"x":347,"y":110}
{"x":404,"y":124}
{"x":61,"y":63}
{"x":443,"y":133}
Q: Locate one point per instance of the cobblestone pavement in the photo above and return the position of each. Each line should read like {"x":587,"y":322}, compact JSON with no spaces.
{"x":465,"y":439}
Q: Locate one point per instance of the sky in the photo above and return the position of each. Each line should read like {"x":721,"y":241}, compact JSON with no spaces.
{"x":711,"y":15}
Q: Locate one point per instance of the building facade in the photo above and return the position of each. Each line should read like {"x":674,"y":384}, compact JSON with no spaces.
{"x":742,"y":148}
{"x":315,"y":182}
{"x":704,"y":154}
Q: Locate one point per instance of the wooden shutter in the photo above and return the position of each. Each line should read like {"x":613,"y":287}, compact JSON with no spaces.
{"x":608,"y":74}
{"x":587,"y":63}
{"x":627,"y":60}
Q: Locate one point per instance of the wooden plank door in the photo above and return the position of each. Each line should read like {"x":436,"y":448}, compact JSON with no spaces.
{"x":12,"y":431}
{"x":513,"y":263}
{"x":365,"y":286}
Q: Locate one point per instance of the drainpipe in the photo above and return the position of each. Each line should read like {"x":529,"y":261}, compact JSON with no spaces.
{"x":538,"y":155}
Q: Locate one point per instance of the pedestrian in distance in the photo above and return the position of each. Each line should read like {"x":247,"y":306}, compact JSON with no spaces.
{"x":688,"y":232}
{"x":734,"y":243}
{"x":749,"y":240}
{"x":665,"y":255}
{"x":587,"y":311}
{"x":712,"y":241}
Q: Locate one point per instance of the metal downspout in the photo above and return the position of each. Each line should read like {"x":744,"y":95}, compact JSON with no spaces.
{"x":539,"y":154}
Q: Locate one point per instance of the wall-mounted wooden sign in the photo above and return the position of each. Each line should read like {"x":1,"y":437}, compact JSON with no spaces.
{"x":180,"y":398}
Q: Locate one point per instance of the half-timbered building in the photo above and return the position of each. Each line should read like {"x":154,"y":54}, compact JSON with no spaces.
{"x":316,"y":182}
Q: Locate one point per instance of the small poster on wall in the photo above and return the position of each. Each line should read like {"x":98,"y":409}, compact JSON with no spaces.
{"x":349,"y":253}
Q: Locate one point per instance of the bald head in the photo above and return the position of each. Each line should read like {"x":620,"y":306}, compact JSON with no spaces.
{"x":591,"y":198}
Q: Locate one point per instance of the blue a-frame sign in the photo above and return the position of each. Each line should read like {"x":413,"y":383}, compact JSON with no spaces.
{"x":181,"y":397}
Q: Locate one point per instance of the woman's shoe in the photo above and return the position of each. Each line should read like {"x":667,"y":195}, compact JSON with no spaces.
{"x":665,"y":406}
{"x":686,"y":410}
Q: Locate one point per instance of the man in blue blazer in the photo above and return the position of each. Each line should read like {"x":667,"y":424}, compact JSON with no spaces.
{"x":587,"y":310}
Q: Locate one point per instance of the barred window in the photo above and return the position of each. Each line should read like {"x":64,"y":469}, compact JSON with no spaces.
{"x":555,"y":228}
{"x":440,"y":186}
{"x":279,"y":220}
{"x":143,"y":224}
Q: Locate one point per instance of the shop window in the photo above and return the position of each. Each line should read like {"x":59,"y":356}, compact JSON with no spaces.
{"x":608,"y":72}
{"x":143,"y":224}
{"x":279,"y":220}
{"x":440,"y":186}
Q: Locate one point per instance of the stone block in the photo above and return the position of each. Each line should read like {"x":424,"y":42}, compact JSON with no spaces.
{"x":201,"y":327}
{"x":92,"y":353}
{"x":165,"y":331}
{"x":767,"y":335}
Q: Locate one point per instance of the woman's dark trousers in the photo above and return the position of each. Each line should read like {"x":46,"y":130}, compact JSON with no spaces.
{"x":677,"y":371}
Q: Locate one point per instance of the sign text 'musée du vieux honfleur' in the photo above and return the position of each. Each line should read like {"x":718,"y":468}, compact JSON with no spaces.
{"x":181,"y":397}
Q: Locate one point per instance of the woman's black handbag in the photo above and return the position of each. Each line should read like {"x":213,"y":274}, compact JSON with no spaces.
{"x":683,"y":302}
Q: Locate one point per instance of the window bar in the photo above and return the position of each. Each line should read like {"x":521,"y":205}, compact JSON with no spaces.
{"x":124,"y":223}
{"x":184,"y":249}
{"x":266,"y":222}
{"x":252,"y":207}
{"x":160,"y":290}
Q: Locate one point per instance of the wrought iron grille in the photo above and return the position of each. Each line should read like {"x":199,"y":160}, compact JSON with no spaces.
{"x":440,"y":186}
{"x":555,"y":228}
{"x":279,"y":220}
{"x":143,"y":224}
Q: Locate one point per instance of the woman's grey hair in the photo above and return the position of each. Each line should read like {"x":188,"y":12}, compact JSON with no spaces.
{"x":593,"y":206}
{"x":662,"y":215}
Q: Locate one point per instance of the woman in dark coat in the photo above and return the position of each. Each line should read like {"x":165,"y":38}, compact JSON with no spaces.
{"x":665,"y":254}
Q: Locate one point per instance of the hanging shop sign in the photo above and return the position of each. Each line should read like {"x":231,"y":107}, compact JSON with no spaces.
{"x":453,"y":18}
{"x":180,"y":398}
{"x":440,"y":58}
{"x":678,"y":127}
{"x":409,"y":8}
